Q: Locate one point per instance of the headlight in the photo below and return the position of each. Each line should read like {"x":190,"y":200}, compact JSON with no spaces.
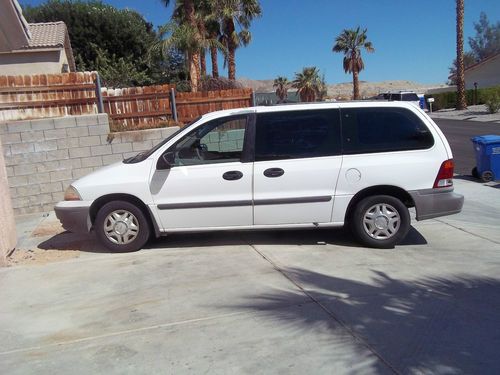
{"x":71,"y":194}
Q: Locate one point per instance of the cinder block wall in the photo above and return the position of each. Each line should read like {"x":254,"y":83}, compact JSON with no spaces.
{"x":44,"y":156}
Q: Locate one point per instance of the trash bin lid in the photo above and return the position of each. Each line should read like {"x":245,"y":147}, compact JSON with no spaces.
{"x":486,"y":139}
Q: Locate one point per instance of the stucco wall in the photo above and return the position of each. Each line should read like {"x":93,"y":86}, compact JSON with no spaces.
{"x":486,"y":75}
{"x":7,"y":225}
{"x":33,"y":62}
{"x":44,"y":156}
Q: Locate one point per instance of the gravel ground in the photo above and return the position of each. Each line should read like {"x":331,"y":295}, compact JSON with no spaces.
{"x":472,"y":113}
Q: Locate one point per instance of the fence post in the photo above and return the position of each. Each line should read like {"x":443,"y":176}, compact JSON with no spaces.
{"x":100,"y":105}
{"x":172,"y":104}
{"x":253,"y":99}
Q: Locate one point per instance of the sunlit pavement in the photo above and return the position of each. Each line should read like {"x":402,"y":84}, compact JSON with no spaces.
{"x":265,"y":302}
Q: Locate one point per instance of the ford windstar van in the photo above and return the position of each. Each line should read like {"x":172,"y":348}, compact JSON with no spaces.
{"x":361,"y":164}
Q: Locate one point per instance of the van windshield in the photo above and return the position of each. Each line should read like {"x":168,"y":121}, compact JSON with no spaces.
{"x":141,"y":156}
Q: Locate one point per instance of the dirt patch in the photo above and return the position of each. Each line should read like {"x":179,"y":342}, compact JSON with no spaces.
{"x":39,"y":256}
{"x":49,"y":228}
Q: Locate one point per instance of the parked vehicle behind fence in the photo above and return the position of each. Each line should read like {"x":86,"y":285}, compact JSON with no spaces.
{"x":361,"y":164}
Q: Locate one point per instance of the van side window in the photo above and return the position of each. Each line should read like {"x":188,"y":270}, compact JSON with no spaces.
{"x":297,"y":134}
{"x":217,"y":141}
{"x":366,"y":130}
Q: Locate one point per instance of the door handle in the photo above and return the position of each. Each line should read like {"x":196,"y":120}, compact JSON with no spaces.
{"x":232,"y":175}
{"x":274,"y":172}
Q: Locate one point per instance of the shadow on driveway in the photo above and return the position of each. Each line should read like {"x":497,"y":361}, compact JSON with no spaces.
{"x":331,"y":236}
{"x":431,"y":325}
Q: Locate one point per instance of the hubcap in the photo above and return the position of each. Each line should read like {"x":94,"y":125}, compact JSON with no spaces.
{"x":121,"y":227}
{"x":381,"y":221}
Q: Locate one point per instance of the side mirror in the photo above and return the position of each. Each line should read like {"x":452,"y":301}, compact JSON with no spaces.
{"x":166,"y":161}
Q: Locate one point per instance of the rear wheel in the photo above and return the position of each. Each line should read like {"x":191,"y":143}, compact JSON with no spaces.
{"x":487,"y":176}
{"x":122,"y":227}
{"x":380,"y":221}
{"x":475,"y":172}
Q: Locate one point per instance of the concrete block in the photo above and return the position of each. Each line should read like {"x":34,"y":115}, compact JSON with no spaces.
{"x":13,"y":192}
{"x":129,"y":154}
{"x":121,"y":148}
{"x":55,"y":134}
{"x":142,"y":146}
{"x":110,"y":159}
{"x":10,"y":171}
{"x":48,"y":166}
{"x":51,"y":187}
{"x":100,"y":150}
{"x":94,"y":161}
{"x":70,"y":163}
{"x":21,"y":148}
{"x":80,"y":172}
{"x":102,"y":119}
{"x":46,"y":146}
{"x":107,"y":139}
{"x":28,"y":190}
{"x":43,"y":124}
{"x":19,"y":181}
{"x":56,"y":197}
{"x":57,"y":155}
{"x":61,"y":175}
{"x":90,"y":141}
{"x":24,"y":169}
{"x":33,"y":136}
{"x":3,"y":127}
{"x":39,"y":178}
{"x":20,"y":202}
{"x":67,"y":143}
{"x":10,"y":138}
{"x":48,"y":207}
{"x":86,"y":120}
{"x":167,"y":132}
{"x":98,"y":130}
{"x":82,"y":131}
{"x":79,"y":152}
{"x":66,"y":183}
{"x":65,"y":122}
{"x":18,"y":126}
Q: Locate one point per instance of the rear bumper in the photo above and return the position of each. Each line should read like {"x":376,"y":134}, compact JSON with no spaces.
{"x":430,"y":203}
{"x":74,"y":216}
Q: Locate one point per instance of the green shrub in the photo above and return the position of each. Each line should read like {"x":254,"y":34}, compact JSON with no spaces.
{"x":493,"y":103}
{"x":449,"y":99}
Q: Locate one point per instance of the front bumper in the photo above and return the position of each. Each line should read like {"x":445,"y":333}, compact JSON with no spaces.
{"x":74,"y":216}
{"x":430,"y":203}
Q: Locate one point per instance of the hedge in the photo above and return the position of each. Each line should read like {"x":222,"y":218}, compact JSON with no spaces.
{"x":449,"y":99}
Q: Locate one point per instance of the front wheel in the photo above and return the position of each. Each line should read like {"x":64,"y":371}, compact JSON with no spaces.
{"x":380,"y":221}
{"x":121,"y":226}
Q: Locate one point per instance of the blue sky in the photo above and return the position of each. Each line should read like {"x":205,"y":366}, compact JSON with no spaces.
{"x":413,"y":40}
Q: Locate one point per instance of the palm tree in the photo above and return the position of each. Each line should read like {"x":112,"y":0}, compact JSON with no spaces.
{"x":350,"y":42}
{"x":281,"y":85}
{"x":461,"y":101}
{"x":232,"y":13}
{"x":307,"y":84}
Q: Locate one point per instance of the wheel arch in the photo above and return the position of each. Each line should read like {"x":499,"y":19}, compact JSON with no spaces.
{"x":391,"y":190}
{"x":101,"y":201}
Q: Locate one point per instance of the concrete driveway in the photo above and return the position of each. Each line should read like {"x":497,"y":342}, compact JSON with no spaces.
{"x":289,"y":302}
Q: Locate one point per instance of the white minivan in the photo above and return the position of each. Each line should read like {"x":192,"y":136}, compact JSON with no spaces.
{"x":290,"y":166}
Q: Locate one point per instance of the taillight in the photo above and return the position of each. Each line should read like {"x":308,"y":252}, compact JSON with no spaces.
{"x":445,"y":175}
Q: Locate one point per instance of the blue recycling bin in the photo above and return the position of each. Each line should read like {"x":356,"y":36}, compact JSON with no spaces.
{"x":487,"y":151}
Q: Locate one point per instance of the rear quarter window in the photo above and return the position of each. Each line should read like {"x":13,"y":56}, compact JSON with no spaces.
{"x":410,"y":97}
{"x":368,"y":130}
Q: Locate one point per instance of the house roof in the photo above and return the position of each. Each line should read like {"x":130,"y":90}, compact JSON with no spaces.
{"x":46,"y":35}
{"x":50,"y":35}
{"x":482,"y":62}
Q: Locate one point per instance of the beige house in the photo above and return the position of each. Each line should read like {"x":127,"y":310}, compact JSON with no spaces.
{"x":485,"y":73}
{"x":32,"y":48}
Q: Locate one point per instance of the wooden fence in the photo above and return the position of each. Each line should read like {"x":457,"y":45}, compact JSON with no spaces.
{"x":55,"y":95}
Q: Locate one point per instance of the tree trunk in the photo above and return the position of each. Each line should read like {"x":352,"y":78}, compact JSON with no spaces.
{"x":231,"y":47}
{"x":203,"y":64}
{"x":355,"y":84}
{"x":215,"y":65}
{"x":461,"y":101}
{"x":194,"y":56}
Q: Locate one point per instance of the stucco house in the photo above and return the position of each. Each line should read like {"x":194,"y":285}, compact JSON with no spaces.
{"x":32,"y":48}
{"x":486,"y":73}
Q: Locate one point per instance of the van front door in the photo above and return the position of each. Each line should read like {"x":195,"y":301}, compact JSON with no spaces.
{"x":297,"y":162}
{"x":209,"y":183}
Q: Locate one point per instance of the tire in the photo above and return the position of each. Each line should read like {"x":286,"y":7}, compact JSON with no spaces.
{"x":380,"y":221}
{"x":122,"y":226}
{"x":487,"y":176}
{"x":475,"y":172}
